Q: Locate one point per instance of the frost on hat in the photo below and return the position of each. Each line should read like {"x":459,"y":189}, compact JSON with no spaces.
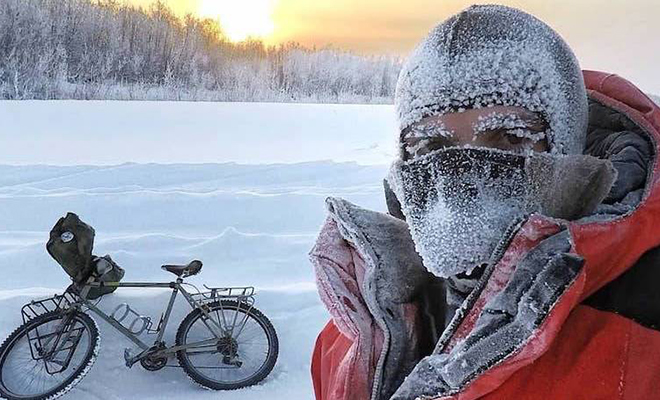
{"x":496,"y":55}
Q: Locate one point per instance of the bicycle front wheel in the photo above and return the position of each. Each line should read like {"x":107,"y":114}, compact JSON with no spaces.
{"x":231,"y":346}
{"x":48,"y":355}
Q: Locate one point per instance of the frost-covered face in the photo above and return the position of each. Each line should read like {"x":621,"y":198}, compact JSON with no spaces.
{"x":485,"y":91}
{"x":507,"y":128}
{"x":461,"y":182}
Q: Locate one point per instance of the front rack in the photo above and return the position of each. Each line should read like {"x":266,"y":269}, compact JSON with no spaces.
{"x":58,"y":302}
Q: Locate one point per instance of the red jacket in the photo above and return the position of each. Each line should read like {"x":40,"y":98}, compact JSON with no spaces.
{"x":576,"y":351}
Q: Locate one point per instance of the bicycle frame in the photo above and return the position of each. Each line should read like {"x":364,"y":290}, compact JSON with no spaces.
{"x":157,"y":349}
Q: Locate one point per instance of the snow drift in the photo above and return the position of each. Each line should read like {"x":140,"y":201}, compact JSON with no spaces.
{"x":251,"y":225}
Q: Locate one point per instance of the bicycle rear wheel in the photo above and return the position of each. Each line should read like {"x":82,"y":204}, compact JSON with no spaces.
{"x":243,"y":355}
{"x":47,"y":356}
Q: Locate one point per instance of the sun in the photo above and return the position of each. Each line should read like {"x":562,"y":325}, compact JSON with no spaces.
{"x":241,"y":19}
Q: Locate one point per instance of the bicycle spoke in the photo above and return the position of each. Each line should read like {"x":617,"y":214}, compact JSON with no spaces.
{"x":237,"y":356}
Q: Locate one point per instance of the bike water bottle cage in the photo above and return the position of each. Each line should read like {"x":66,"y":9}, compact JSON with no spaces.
{"x":184,"y":271}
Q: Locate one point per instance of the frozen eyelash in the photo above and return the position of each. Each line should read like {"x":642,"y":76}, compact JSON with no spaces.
{"x":512,"y":123}
{"x":498,"y":120}
{"x":429,"y":129}
{"x":412,"y":149}
{"x":527,"y":134}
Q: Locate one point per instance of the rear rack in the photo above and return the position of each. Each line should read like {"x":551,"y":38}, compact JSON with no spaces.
{"x":243,"y":294}
{"x":227,"y":320}
{"x":58,"y":302}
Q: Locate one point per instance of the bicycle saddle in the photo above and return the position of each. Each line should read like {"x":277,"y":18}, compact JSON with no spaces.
{"x":190,"y":269}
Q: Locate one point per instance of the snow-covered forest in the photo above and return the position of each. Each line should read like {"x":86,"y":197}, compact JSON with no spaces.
{"x":77,"y":49}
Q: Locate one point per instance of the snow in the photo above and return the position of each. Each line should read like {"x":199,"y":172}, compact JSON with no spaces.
{"x":655,"y":98}
{"x":249,"y":224}
{"x":109,"y":133}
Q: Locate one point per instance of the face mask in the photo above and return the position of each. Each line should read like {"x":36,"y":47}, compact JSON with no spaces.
{"x":458,"y":202}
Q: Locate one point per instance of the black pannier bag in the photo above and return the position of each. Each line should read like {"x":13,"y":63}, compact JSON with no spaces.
{"x":71,"y":243}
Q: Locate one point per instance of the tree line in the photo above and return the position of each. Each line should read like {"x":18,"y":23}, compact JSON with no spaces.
{"x":104,"y":49}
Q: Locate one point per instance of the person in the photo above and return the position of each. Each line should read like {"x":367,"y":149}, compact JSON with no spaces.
{"x":519,"y":256}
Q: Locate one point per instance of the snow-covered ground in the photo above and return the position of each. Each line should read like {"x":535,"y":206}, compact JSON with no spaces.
{"x":102,"y":132}
{"x":250,"y":224}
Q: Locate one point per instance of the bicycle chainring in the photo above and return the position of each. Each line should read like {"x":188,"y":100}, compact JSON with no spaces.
{"x":153,"y":363}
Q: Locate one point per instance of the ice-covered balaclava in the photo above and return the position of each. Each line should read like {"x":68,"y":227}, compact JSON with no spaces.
{"x":459,"y":202}
{"x":496,"y":55}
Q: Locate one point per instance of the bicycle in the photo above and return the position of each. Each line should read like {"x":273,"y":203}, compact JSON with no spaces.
{"x":224,"y":343}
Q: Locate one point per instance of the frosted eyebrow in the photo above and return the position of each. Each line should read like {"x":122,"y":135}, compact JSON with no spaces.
{"x":499,"y":120}
{"x":427,"y":129}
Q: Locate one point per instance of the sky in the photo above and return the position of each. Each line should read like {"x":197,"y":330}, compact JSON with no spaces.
{"x":612,"y":35}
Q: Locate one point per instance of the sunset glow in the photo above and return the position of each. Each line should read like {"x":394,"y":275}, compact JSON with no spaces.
{"x":241,"y":19}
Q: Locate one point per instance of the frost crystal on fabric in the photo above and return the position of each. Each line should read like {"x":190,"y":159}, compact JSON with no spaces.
{"x":495,"y":55}
{"x":458,"y":202}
